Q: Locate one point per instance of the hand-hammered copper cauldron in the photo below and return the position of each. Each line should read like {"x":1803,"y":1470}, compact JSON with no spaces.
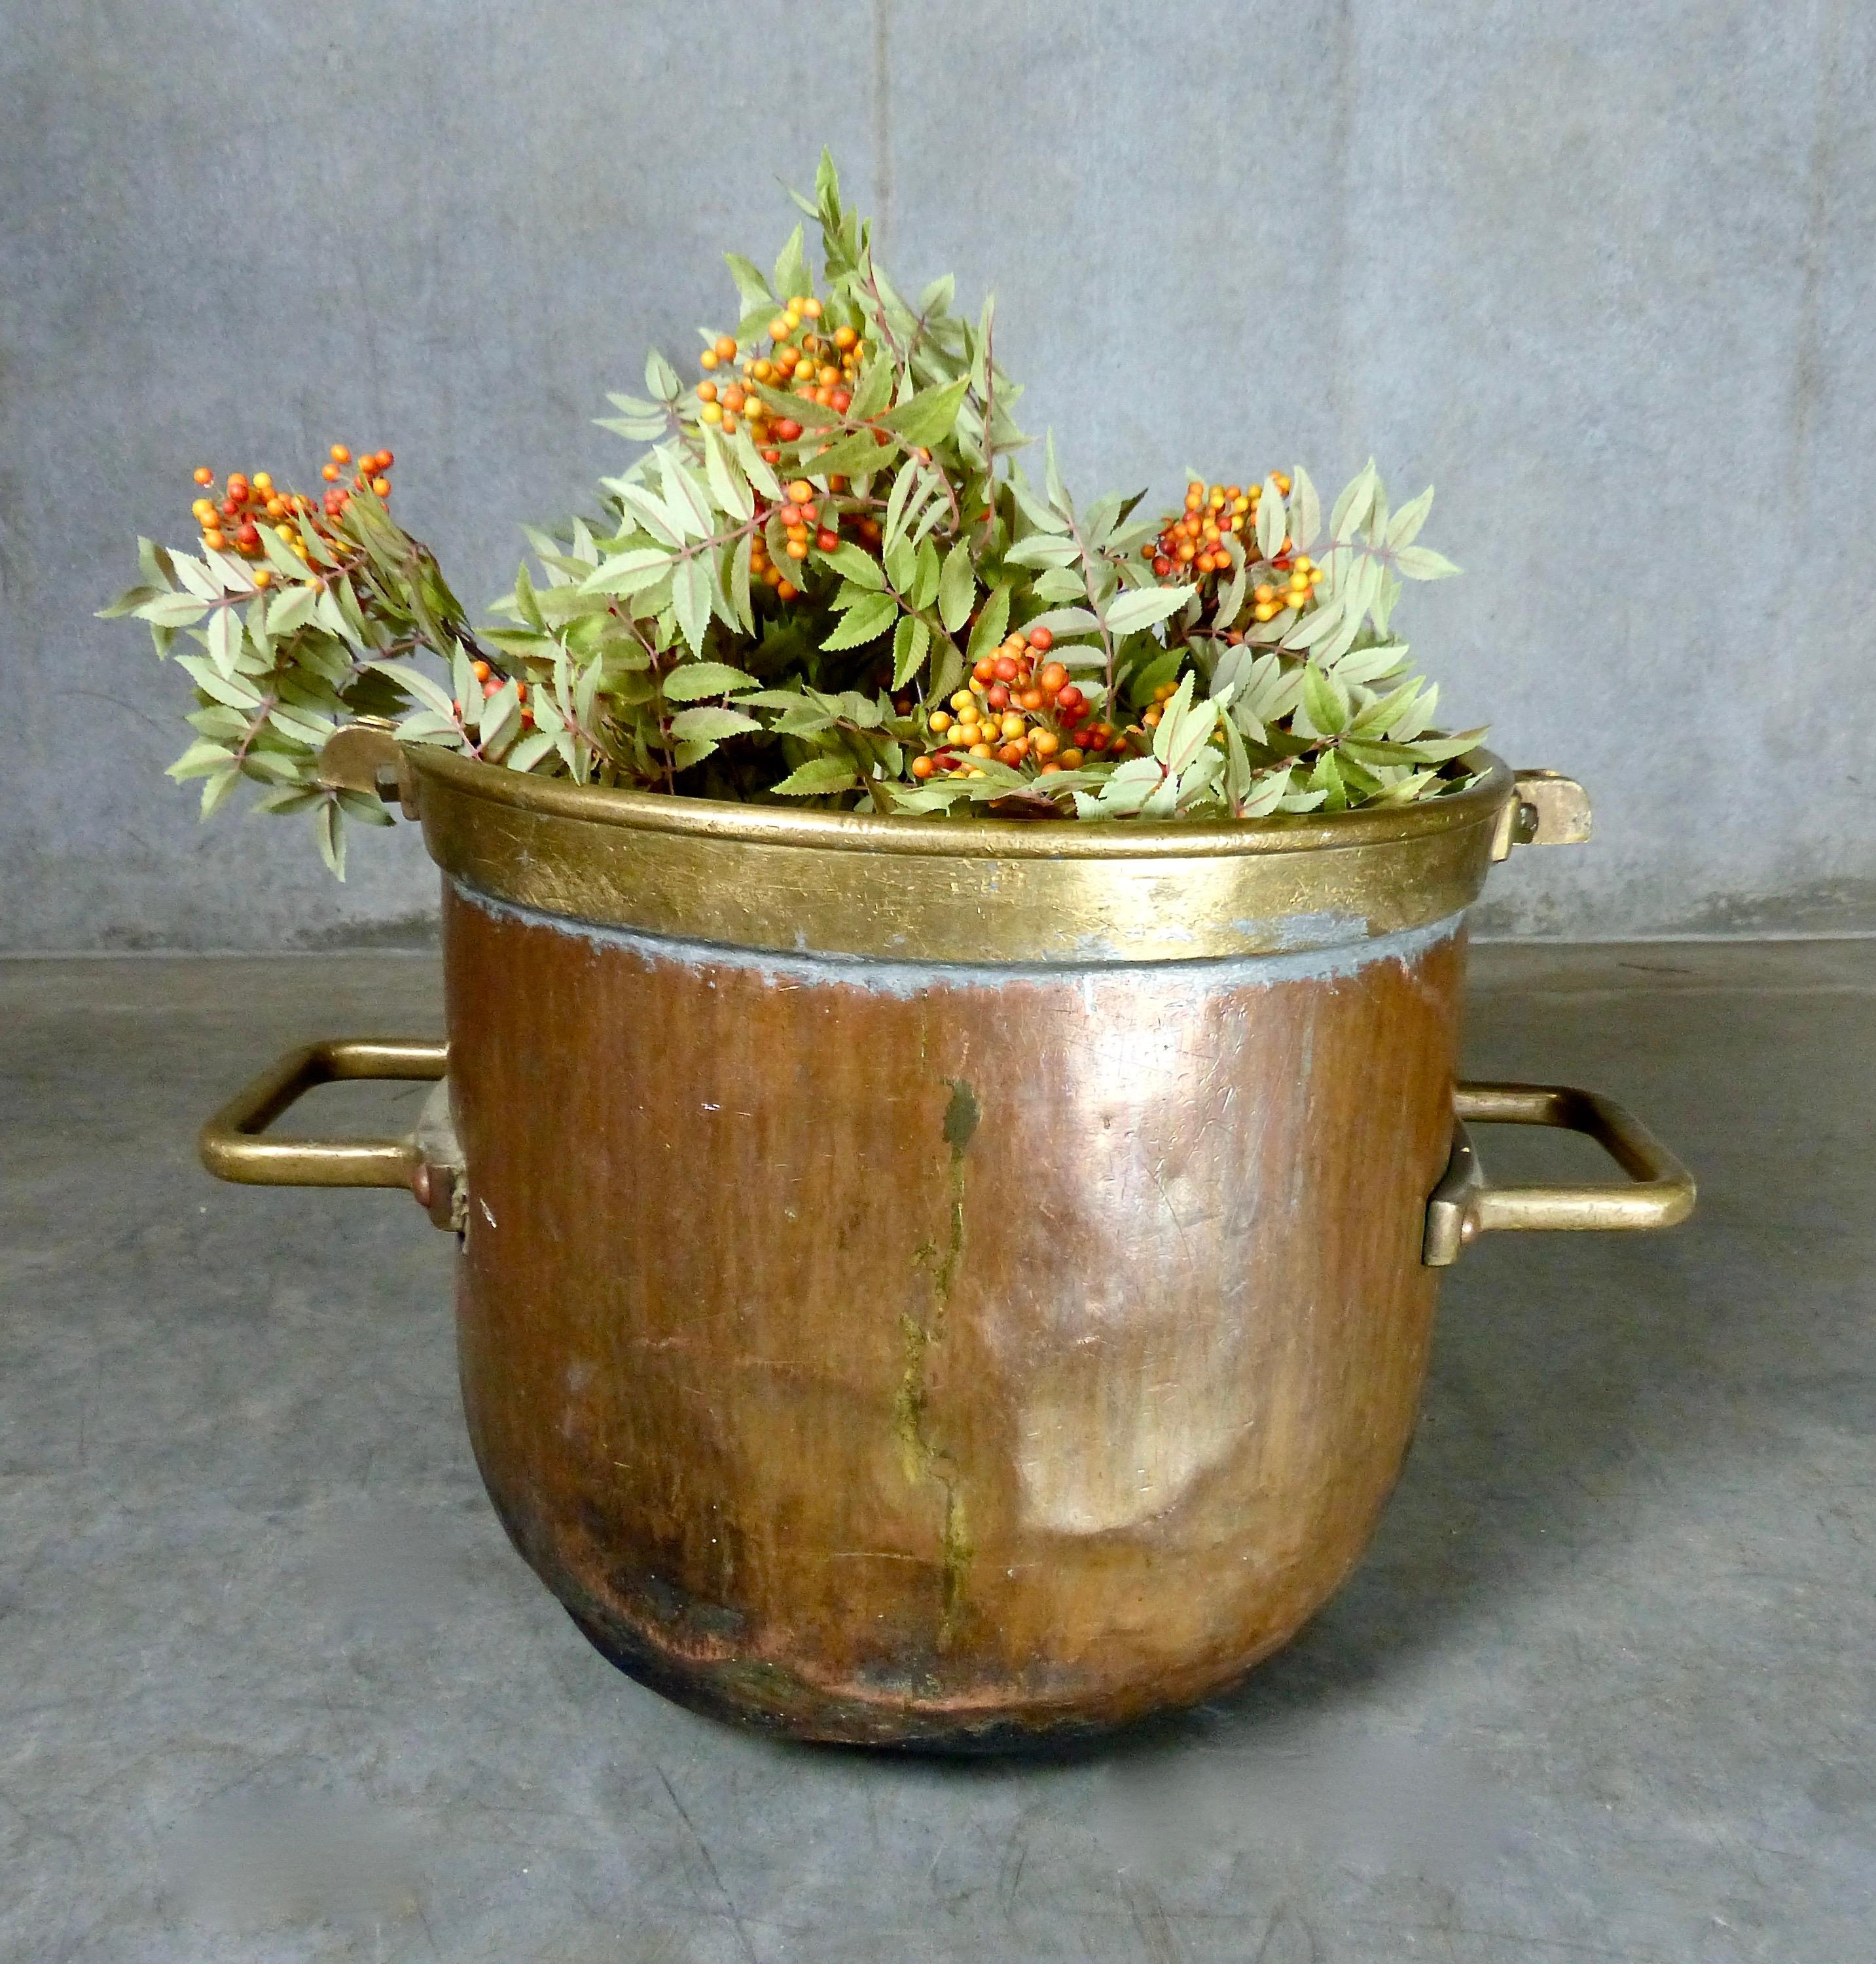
{"x":938,"y":1283}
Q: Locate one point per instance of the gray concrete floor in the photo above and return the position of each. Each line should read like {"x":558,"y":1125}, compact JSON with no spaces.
{"x":274,"y":1687}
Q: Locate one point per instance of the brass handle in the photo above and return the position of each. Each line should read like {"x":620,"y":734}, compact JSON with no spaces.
{"x":232,"y":1147}
{"x":1658,"y":1192}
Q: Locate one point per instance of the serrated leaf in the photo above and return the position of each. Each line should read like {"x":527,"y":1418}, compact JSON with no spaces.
{"x":691,"y":681}
{"x":819,"y":777}
{"x":864,"y":621}
{"x":690,"y":599}
{"x":1146,"y":607}
{"x":661,"y":378}
{"x":1325,"y":701}
{"x":993,"y":625}
{"x":925,"y":581}
{"x":958,"y":587}
{"x":791,"y":280}
{"x":224,"y":639}
{"x":912,"y":641}
{"x":752,"y":289}
{"x":1271,"y":520}
{"x":927,"y":418}
{"x":1422,"y":562}
{"x":854,"y":563}
{"x":711,"y":723}
{"x":727,"y":484}
{"x":1404,"y":527}
{"x":1305,"y":514}
{"x":1352,"y":508}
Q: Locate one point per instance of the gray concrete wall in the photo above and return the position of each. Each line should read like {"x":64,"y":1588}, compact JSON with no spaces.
{"x":1602,"y":273}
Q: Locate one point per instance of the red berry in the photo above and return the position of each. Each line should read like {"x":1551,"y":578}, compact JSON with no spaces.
{"x":1070,"y":698}
{"x":1162,"y":565}
{"x":1006,"y":670}
{"x":788,"y":429}
{"x":999,"y":697}
{"x":1041,"y":640}
{"x":825,"y":539}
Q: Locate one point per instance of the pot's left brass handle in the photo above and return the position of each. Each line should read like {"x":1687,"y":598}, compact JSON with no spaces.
{"x":233,"y":1146}
{"x":1658,"y":1192}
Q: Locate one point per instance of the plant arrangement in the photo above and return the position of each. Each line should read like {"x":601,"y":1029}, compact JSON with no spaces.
{"x":825,"y":580}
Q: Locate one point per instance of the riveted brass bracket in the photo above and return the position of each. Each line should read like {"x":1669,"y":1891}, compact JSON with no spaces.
{"x":1545,"y":809}
{"x":1660,"y":1191}
{"x":366,"y":756}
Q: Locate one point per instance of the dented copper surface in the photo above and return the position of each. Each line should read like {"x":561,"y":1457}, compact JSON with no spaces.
{"x":949,"y":1360}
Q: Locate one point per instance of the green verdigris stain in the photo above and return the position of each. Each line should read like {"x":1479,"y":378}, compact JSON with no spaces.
{"x":920,"y":1455}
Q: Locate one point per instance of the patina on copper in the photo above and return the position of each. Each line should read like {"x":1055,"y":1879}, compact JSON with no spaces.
{"x":942,"y":1358}
{"x":938,"y":1284}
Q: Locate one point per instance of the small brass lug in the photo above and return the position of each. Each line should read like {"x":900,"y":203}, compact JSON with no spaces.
{"x":1558,"y":810}
{"x":366,"y":756}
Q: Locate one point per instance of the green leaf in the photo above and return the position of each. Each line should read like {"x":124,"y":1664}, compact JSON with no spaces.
{"x":1271,"y":520}
{"x":173,"y":610}
{"x":709,"y":723}
{"x":661,"y":378}
{"x":1145,"y":607}
{"x":624,"y":574}
{"x":924,"y":582}
{"x":819,"y":777}
{"x":224,"y":639}
{"x":958,"y":587}
{"x":1326,"y":700}
{"x":791,"y":281}
{"x":330,"y":836}
{"x":857,"y":565}
{"x":866,"y":621}
{"x":1306,"y":510}
{"x":927,"y":418}
{"x":691,"y":681}
{"x":198,"y":761}
{"x":752,"y":288}
{"x":1353,"y":506}
{"x":727,"y":484}
{"x":993,"y":625}
{"x":874,"y":391}
{"x":1043,"y":549}
{"x":690,"y":598}
{"x":849,"y":456}
{"x":129,"y":603}
{"x":1422,"y":562}
{"x":912,"y":641}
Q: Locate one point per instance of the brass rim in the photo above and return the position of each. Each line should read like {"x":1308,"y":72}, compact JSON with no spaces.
{"x":996,"y":891}
{"x":983,"y":838}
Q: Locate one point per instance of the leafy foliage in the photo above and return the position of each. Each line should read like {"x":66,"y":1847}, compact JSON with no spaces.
{"x":823,"y":578}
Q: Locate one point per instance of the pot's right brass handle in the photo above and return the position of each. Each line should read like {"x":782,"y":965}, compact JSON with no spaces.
{"x":233,"y":1146}
{"x":1659,"y":1193}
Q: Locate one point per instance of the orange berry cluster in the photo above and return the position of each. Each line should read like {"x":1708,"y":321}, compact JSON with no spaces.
{"x":491,"y":685}
{"x":808,"y":518}
{"x":1192,"y":542}
{"x":231,"y":522}
{"x":820,"y":368}
{"x":1019,"y":709}
{"x":1194,"y":539}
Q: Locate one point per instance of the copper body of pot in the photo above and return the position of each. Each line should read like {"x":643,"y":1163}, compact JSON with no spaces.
{"x":935,"y":1284}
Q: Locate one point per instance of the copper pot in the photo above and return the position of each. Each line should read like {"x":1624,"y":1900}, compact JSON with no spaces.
{"x":943,"y":1283}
